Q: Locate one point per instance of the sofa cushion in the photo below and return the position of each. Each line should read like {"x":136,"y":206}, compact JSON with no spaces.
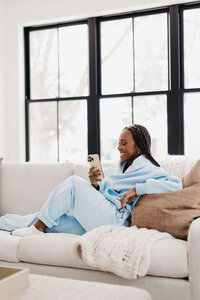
{"x":50,"y":249}
{"x":168,"y":256}
{"x":81,"y":170}
{"x":171,"y":212}
{"x":178,"y":165}
{"x":193,"y":176}
{"x":8,"y":246}
{"x":24,"y":187}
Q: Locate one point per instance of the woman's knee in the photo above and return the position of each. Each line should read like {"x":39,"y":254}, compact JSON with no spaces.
{"x":77,"y":180}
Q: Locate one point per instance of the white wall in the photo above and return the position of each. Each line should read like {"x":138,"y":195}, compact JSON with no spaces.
{"x":14,"y":15}
{"x":2,"y":102}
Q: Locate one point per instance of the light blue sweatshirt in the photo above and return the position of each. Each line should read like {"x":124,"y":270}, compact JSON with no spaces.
{"x":143,"y":174}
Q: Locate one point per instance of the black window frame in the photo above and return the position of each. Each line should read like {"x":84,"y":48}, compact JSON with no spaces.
{"x":175,"y":113}
{"x":28,"y":99}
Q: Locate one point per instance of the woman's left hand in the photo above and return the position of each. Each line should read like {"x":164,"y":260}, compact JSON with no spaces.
{"x":130,"y":195}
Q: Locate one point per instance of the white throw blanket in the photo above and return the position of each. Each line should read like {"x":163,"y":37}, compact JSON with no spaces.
{"x":124,"y":251}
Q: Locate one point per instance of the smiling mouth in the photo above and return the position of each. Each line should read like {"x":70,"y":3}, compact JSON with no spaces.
{"x":122,"y":154}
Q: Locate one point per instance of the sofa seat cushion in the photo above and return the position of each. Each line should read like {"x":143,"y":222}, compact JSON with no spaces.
{"x":168,"y":256}
{"x":50,"y":249}
{"x":8,"y":246}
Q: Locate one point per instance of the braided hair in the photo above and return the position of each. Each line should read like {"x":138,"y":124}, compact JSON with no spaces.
{"x":142,"y":139}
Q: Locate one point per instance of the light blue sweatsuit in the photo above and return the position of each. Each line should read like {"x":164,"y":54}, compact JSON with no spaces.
{"x":91,"y":208}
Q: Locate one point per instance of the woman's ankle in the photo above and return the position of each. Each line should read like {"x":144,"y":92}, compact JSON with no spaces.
{"x":39,"y":225}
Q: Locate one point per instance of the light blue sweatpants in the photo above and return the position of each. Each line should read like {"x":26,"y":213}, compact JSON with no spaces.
{"x":89,"y":209}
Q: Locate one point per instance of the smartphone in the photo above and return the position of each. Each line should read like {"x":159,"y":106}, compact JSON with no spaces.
{"x":94,"y":160}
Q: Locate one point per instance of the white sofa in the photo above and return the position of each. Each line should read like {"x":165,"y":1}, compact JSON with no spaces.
{"x":174,"y":271}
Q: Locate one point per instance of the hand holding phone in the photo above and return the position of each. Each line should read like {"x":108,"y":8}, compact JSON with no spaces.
{"x":95,"y":172}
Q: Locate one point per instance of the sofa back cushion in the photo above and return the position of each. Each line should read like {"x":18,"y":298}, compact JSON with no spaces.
{"x":24,"y":187}
{"x":171,"y":212}
{"x":82,"y":169}
{"x":178,"y":165}
{"x":193,"y":176}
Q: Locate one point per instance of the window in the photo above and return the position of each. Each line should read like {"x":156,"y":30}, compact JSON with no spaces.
{"x":117,"y":56}
{"x":59,"y":87}
{"x":87,"y":80}
{"x":73,"y":130}
{"x":191,"y":47}
{"x":191,"y":19}
{"x":151,"y":53}
{"x":151,"y":111}
{"x":134,"y":61}
{"x":112,"y":124}
{"x":192,"y":123}
{"x":43,"y":131}
{"x":43,"y":64}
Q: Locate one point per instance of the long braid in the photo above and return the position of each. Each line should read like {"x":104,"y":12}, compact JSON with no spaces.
{"x":142,"y":139}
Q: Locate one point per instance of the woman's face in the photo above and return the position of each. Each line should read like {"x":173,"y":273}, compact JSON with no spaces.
{"x":127,"y":147}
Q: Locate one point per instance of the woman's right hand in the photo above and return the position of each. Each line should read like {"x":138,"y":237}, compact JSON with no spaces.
{"x":94,"y":174}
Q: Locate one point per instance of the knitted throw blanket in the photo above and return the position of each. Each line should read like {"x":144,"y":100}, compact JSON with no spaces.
{"x":124,"y":251}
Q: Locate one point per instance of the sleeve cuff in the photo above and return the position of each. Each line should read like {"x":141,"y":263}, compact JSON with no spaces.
{"x":140,"y":189}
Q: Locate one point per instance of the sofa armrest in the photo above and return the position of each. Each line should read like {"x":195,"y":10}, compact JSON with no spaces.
{"x":193,"y":258}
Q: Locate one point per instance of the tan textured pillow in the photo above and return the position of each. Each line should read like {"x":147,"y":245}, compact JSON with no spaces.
{"x":1,"y":158}
{"x":170,"y":212}
{"x":193,"y":176}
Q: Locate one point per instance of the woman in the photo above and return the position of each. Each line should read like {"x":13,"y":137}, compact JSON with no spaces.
{"x":102,"y":202}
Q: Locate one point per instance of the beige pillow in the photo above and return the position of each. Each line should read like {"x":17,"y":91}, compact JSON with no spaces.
{"x":1,"y":158}
{"x":171,"y":212}
{"x":193,"y":176}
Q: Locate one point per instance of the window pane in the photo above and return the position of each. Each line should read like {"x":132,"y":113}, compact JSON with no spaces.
{"x":151,"y":111}
{"x":73,"y":131}
{"x":192,"y":124}
{"x":115,"y":114}
{"x":151,"y":53}
{"x":117,"y":56}
{"x":43,"y":132}
{"x":192,"y":48}
{"x":73,"y":49}
{"x":44,"y":64}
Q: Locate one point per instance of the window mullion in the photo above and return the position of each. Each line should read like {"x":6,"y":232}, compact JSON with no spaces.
{"x":93,"y":100}
{"x":27,"y":92}
{"x":133,"y":31}
{"x":58,"y":134}
{"x":175,"y":96}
